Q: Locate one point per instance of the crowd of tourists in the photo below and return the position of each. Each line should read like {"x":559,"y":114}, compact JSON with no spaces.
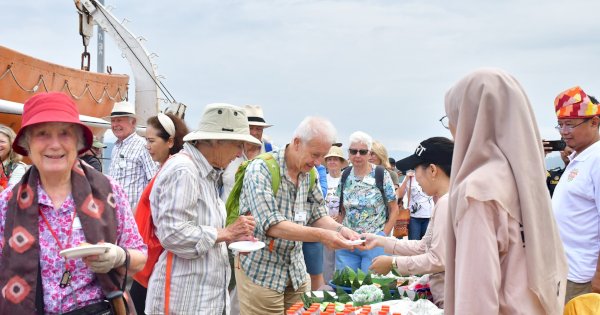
{"x":150,"y":234}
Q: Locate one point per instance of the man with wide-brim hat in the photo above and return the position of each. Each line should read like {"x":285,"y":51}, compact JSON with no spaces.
{"x":257,"y":123}
{"x":576,"y":198}
{"x":131,"y":164}
{"x":190,"y":218}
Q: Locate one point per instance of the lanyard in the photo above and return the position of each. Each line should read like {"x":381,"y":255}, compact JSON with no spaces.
{"x":65,"y":279}
{"x":70,"y":233}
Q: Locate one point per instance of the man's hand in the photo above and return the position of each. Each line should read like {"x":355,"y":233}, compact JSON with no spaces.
{"x":241,"y":229}
{"x":335,"y":240}
{"x":596,"y":283}
{"x":372,"y":241}
{"x":349,"y":234}
{"x":381,"y":265}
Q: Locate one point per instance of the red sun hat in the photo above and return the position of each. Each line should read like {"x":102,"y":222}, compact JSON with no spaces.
{"x":51,"y":107}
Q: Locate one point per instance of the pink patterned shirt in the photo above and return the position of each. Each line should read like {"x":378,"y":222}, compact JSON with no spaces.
{"x":84,"y":288}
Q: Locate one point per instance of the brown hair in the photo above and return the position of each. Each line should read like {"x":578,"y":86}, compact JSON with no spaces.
{"x":10,"y":134}
{"x":180,"y":131}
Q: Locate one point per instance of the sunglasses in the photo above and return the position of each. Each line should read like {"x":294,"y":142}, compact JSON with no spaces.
{"x":354,"y":151}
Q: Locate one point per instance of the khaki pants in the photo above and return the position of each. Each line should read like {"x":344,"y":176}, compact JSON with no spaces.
{"x":257,"y":300}
{"x":576,"y":289}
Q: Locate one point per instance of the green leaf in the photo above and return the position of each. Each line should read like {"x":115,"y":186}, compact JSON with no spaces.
{"x":416,"y":297}
{"x":385,"y":282}
{"x":405,"y":294}
{"x":338,"y":278}
{"x":355,"y":284}
{"x":351,"y":274}
{"x":342,"y":296}
{"x":368,"y":279}
{"x":360,"y":275}
{"x":305,"y":300}
{"x":395,"y":295}
{"x":328,"y":297}
{"x":395,"y":273}
{"x":387,"y":295}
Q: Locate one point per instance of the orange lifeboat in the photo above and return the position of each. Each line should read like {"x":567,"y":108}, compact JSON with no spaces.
{"x":23,"y":76}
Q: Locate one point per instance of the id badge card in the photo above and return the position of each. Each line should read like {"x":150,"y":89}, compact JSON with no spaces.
{"x":369,"y":181}
{"x":300,"y":216}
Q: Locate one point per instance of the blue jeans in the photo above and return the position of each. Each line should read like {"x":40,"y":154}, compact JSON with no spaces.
{"x":313,"y":257}
{"x":357,"y":259}
{"x":417,"y":228}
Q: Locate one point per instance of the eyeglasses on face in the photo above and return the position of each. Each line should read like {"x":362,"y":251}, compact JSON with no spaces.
{"x":362,"y":151}
{"x":569,"y":128}
{"x":445,"y":122}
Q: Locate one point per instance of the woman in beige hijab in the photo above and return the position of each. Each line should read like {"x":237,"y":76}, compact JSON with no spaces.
{"x":503,"y":255}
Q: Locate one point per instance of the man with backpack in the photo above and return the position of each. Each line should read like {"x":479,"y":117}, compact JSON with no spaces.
{"x":272,"y":279}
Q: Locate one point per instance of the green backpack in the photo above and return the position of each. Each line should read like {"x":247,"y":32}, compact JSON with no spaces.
{"x":233,"y":201}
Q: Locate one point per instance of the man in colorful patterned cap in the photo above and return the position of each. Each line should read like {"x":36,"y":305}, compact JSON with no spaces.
{"x":576,"y":199}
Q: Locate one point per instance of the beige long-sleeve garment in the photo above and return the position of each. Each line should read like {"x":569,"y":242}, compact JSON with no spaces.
{"x":491,"y":269}
{"x":426,"y":255}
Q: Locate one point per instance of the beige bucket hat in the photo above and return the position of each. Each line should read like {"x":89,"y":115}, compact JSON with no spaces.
{"x":221,"y":121}
{"x":122,"y":109}
{"x":256,"y":116}
{"x":337,"y":152}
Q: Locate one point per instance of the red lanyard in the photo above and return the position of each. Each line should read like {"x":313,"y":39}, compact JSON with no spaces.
{"x":70,"y":233}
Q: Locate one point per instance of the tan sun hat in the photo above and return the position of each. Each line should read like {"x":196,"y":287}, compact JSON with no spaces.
{"x":337,"y":152}
{"x":97,"y":144}
{"x":122,"y":109}
{"x":222,"y":121}
{"x":256,"y":116}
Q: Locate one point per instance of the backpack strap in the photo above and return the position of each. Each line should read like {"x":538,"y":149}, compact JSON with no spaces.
{"x":345,"y":175}
{"x":379,"y":175}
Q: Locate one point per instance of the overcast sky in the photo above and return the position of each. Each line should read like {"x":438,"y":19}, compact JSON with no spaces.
{"x":378,"y":66}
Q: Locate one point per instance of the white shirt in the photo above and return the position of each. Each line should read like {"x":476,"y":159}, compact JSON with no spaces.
{"x":420,"y":203}
{"x":331,"y":200}
{"x":576,"y":205}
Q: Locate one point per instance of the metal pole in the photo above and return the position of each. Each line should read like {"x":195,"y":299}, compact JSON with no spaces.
{"x":100,"y":53}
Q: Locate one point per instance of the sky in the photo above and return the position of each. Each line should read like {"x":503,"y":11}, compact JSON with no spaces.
{"x":379,"y":66}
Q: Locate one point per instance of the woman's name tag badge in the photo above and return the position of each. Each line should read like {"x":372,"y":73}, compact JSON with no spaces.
{"x":65,"y":280}
{"x":369,"y":181}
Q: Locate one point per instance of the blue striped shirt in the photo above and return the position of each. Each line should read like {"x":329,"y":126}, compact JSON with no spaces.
{"x":273,"y":269}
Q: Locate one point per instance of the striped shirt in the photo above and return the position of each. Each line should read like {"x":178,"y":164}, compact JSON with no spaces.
{"x":132,"y":166}
{"x":187,"y":212}
{"x":273,"y":269}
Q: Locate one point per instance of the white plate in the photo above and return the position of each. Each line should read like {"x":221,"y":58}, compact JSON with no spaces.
{"x":355,"y":242}
{"x":84,"y":250}
{"x":246,"y":246}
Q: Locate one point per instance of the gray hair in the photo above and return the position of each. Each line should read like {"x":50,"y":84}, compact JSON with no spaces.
{"x":26,"y":137}
{"x":10,"y":134}
{"x":360,"y":137}
{"x":312,"y":128}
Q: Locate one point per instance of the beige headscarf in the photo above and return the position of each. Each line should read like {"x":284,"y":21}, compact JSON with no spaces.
{"x":498,"y":157}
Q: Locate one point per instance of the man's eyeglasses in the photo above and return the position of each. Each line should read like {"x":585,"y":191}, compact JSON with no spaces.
{"x":354,"y":151}
{"x":568,"y":128}
{"x":444,"y":122}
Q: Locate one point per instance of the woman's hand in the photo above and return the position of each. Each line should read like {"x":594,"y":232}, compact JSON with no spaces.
{"x":381,"y":265}
{"x":371,"y":241}
{"x":241,"y":229}
{"x":114,"y":257}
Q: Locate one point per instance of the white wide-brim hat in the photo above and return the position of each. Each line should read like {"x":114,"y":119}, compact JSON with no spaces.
{"x":121,"y":109}
{"x":256,"y":116}
{"x":222,"y":121}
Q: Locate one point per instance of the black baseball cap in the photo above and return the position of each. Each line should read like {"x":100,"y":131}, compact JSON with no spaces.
{"x":436,"y":150}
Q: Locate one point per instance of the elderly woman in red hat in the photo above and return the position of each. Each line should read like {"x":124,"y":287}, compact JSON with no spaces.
{"x":49,"y":219}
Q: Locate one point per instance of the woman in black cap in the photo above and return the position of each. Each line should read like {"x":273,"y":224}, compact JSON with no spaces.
{"x":431,"y":161}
